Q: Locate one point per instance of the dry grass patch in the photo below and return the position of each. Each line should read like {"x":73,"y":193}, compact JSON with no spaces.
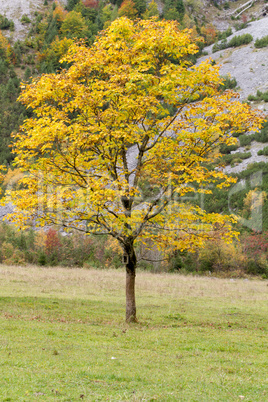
{"x":78,"y":282}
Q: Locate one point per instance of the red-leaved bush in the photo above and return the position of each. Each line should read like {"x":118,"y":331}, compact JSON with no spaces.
{"x":91,"y":3}
{"x":52,"y":242}
{"x":256,"y":244}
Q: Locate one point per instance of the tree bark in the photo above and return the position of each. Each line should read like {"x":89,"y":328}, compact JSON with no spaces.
{"x":131,"y":263}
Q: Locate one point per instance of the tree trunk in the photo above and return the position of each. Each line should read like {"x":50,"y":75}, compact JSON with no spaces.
{"x":131,"y":263}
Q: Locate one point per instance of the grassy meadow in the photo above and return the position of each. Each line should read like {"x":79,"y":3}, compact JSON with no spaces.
{"x":63,"y":337}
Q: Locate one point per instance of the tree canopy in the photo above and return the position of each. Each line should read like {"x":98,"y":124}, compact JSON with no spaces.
{"x":120,"y":137}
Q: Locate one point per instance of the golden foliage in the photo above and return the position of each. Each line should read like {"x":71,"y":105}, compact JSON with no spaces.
{"x":12,"y":177}
{"x":221,"y":257}
{"x":59,"y":13}
{"x":254,"y":199}
{"x":57,"y":49}
{"x":74,"y":25}
{"x":209,"y":33}
{"x":151,"y":11}
{"x":114,"y":102}
{"x":6,"y":49}
{"x":10,"y":255}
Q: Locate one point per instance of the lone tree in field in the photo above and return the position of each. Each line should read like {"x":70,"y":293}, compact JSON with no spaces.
{"x":120,"y":136}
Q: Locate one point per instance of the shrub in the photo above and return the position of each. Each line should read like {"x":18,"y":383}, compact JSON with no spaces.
{"x":262,"y":135}
{"x":53,"y":53}
{"x":263,"y":42}
{"x":52,"y":246}
{"x":265,"y":97}
{"x":263,"y":151}
{"x":219,"y":46}
{"x":182,"y":261}
{"x":216,"y":4}
{"x":256,"y":248}
{"x":42,"y":259}
{"x":221,"y":257}
{"x":228,"y":83}
{"x":152,"y":11}
{"x":5,"y":23}
{"x":10,"y":255}
{"x":240,"y":40}
{"x":259,"y":96}
{"x":238,"y":156}
{"x":236,"y":259}
{"x":259,"y":267}
{"x":71,"y":4}
{"x":129,"y":10}
{"x":240,"y":25}
{"x":59,"y":14}
{"x":225,"y":34}
{"x":227,"y":149}
{"x":253,"y":168}
{"x":25,"y":19}
{"x":234,"y":42}
{"x":91,"y":3}
{"x":209,"y":33}
{"x":245,"y":139}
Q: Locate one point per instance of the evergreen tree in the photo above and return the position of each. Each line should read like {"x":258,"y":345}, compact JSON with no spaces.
{"x":140,"y":6}
{"x":71,"y":4}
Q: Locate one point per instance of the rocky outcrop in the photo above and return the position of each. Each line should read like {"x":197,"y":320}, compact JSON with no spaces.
{"x":15,"y":9}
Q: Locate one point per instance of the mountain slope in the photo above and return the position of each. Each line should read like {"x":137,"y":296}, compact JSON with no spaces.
{"x":15,"y":9}
{"x":247,"y":64}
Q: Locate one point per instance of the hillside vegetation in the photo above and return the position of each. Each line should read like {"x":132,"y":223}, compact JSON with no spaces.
{"x":50,"y":27}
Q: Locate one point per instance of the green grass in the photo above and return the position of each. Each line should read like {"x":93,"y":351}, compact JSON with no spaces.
{"x":63,"y":337}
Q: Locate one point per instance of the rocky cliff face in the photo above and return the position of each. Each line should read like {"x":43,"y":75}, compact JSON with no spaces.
{"x":225,"y":13}
{"x":15,"y":9}
{"x":246,"y":63}
{"x":249,"y":66}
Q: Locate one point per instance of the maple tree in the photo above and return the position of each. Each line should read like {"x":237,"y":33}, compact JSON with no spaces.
{"x":118,"y":138}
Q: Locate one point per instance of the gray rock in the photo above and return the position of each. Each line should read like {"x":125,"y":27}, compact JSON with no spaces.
{"x":14,"y":9}
{"x":248,"y":65}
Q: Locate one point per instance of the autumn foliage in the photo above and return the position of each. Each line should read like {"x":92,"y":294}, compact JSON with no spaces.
{"x":5,"y":49}
{"x":91,"y":3}
{"x":256,"y":244}
{"x":59,"y":13}
{"x":209,"y":33}
{"x":55,"y":52}
{"x":104,"y":154}
{"x":128,"y":9}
